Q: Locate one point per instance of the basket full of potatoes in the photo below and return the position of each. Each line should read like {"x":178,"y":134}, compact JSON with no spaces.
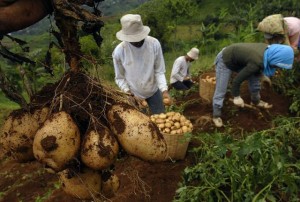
{"x":173,"y":126}
{"x":207,"y":85}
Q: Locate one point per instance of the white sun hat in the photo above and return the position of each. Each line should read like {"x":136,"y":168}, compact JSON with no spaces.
{"x":193,"y":53}
{"x":133,"y":29}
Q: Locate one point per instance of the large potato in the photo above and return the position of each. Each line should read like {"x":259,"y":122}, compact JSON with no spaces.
{"x":137,"y":134}
{"x":17,"y":135}
{"x":57,"y":142}
{"x":110,"y":185}
{"x":83,"y":185}
{"x":41,"y":114}
{"x":99,"y":148}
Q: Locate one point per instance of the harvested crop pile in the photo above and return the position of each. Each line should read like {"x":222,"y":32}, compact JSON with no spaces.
{"x":78,"y":127}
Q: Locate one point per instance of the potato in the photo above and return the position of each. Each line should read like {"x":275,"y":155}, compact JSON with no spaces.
{"x":173,"y":132}
{"x":110,"y":186}
{"x":99,"y":148}
{"x":83,"y":185}
{"x":137,"y":134}
{"x":170,"y":114}
{"x":144,"y":103}
{"x":185,"y":129}
{"x":161,"y":125}
{"x":167,"y":130}
{"x":17,"y":135}
{"x":168,"y":124}
{"x":175,"y":123}
{"x":162,"y":116}
{"x":182,"y":119}
{"x":41,"y":114}
{"x":167,"y":101}
{"x":57,"y":142}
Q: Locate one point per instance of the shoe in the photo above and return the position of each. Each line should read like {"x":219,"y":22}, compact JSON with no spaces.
{"x":263,"y":105}
{"x":218,"y":122}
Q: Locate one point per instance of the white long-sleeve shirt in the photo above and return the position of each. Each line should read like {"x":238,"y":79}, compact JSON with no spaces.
{"x":140,"y":70}
{"x":180,"y":69}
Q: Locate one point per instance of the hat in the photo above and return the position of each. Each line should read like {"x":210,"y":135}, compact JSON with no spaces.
{"x":193,"y":53}
{"x":268,"y":36}
{"x":133,"y":29}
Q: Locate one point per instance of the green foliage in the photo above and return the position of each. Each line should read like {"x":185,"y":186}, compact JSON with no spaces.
{"x":88,"y":46}
{"x":287,"y":82}
{"x":113,"y":7}
{"x":109,"y":42}
{"x":6,"y":107}
{"x":157,"y":17}
{"x":262,"y":167}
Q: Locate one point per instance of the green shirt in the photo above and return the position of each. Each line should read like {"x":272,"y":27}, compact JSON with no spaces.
{"x":246,"y":59}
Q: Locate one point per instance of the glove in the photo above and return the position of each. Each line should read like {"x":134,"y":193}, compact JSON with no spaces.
{"x":238,"y":101}
{"x":265,"y":79}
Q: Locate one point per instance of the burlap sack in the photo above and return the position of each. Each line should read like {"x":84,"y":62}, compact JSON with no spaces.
{"x":273,"y":24}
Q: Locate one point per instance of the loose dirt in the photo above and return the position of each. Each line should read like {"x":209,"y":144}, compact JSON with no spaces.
{"x":141,"y":180}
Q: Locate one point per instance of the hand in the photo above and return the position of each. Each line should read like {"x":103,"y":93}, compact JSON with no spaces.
{"x":166,"y":94}
{"x":137,"y":102}
{"x":167,"y":100}
{"x":238,"y":101}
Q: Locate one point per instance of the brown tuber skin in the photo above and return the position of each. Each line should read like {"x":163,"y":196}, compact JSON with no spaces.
{"x":84,"y":185}
{"x":57,"y":141}
{"x":99,"y":149}
{"x":19,"y":131}
{"x":137,"y":134}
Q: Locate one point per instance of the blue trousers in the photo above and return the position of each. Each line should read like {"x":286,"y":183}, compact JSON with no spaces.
{"x":223,"y":74}
{"x":155,"y":103}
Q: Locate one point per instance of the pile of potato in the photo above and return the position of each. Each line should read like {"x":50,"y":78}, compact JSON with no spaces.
{"x":172,"y":123}
{"x":209,"y":79}
{"x":54,"y":139}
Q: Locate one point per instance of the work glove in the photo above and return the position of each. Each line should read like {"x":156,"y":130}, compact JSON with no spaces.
{"x":267,"y":80}
{"x":187,"y":78}
{"x":238,"y":101}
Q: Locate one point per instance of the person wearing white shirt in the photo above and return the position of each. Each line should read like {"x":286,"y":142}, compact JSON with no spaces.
{"x":180,"y":75}
{"x":139,"y":64}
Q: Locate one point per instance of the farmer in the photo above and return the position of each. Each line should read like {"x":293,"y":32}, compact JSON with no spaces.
{"x":180,"y":75}
{"x":139,"y":64}
{"x":282,"y":30}
{"x":250,"y":61}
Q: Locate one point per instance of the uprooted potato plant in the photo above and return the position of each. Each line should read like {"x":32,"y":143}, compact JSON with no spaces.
{"x":76,"y":128}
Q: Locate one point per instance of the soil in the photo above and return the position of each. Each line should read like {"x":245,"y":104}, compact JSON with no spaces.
{"x":140,"y":180}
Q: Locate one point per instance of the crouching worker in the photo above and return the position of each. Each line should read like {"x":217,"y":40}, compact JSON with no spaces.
{"x":251,"y":61}
{"x":180,"y":75}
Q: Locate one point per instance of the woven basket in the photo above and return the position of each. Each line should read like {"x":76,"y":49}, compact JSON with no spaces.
{"x":177,"y":145}
{"x":206,"y":89}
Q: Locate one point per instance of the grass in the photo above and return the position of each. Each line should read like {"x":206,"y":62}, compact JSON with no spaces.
{"x":6,"y":106}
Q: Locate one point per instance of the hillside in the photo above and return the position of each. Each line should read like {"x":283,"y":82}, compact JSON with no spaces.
{"x":108,"y":8}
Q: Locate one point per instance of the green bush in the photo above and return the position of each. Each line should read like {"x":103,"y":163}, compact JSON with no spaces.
{"x":262,"y":167}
